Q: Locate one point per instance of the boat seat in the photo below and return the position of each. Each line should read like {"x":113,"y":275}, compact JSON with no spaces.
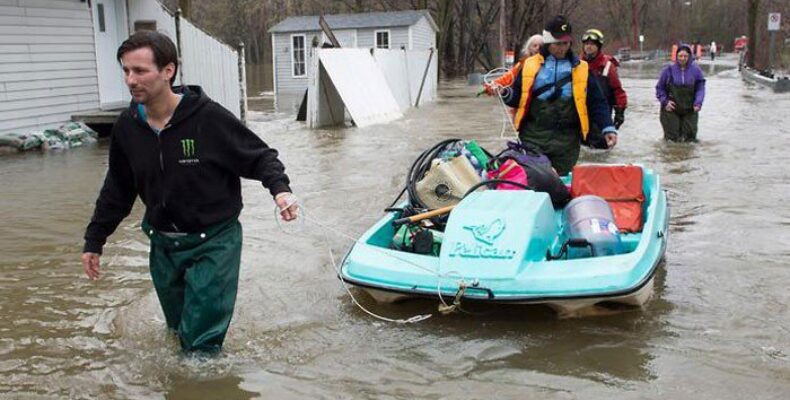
{"x":619,"y":185}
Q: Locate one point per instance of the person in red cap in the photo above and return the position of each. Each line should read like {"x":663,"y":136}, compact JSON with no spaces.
{"x":556,"y":98}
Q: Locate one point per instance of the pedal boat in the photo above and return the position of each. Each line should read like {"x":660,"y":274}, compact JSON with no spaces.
{"x":498,"y":247}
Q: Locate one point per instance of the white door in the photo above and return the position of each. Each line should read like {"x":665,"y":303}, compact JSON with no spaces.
{"x":110,"y":31}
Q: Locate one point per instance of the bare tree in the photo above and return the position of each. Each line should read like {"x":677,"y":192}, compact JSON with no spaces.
{"x":468,"y":29}
{"x":754,"y":7}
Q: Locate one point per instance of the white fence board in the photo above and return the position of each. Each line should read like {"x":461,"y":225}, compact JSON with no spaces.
{"x":324,"y":105}
{"x":361,"y":85}
{"x":393,"y":65}
{"x":404,"y":71}
{"x":417,"y":61}
{"x":212,"y":65}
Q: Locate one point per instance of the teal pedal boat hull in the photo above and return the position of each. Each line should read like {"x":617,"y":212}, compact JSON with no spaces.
{"x":496,"y":248}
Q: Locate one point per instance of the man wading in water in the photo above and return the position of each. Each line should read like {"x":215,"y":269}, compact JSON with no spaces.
{"x":183,"y":155}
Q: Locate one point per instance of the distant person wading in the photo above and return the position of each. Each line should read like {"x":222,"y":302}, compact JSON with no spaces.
{"x":681,"y":91}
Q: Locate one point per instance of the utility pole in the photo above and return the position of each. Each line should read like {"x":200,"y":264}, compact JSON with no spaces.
{"x":754,"y":7}
{"x":634,"y":24}
{"x":502,"y":31}
{"x":774,"y":24}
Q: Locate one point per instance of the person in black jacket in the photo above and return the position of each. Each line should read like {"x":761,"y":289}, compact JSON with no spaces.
{"x":557,"y":98}
{"x":183,"y":155}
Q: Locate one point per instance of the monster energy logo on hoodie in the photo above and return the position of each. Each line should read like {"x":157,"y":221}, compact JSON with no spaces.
{"x":188,"y":150}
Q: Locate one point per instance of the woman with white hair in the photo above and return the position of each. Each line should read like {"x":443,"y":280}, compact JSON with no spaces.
{"x":531,"y":47}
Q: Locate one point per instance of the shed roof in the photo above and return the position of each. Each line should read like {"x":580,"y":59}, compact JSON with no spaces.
{"x":351,"y":21}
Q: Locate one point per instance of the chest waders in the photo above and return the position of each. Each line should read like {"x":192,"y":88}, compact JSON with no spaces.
{"x":553,"y":126}
{"x":680,"y":125}
{"x":196,"y":277}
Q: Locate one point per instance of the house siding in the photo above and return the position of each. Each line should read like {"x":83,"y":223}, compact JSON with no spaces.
{"x":422,"y":35}
{"x":47,"y":63}
{"x":399,"y":36}
{"x":418,"y":36}
{"x":286,"y":82}
{"x":346,"y":37}
{"x":212,"y":65}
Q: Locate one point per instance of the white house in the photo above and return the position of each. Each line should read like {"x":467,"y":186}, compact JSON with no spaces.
{"x":294,"y":37}
{"x":57,"y":58}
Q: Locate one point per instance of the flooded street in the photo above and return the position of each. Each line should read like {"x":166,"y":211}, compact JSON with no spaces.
{"x":717,"y":328}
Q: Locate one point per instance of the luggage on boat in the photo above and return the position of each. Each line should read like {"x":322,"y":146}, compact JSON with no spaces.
{"x":446,"y":182}
{"x":511,"y":171}
{"x":589,"y":218}
{"x":620,"y":186}
{"x":540,"y":176}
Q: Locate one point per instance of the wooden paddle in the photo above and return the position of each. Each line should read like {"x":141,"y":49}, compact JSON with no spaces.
{"x":443,"y":210}
{"x":426,"y":215}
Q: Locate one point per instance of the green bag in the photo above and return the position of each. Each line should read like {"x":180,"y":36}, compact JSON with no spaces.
{"x":477,"y":151}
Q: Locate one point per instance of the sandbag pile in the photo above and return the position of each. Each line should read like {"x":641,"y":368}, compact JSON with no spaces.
{"x":71,"y":134}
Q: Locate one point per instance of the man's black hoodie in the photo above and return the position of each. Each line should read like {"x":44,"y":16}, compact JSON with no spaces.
{"x":188,"y":175}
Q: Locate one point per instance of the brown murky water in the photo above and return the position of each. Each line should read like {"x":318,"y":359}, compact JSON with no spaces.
{"x":718,"y":328}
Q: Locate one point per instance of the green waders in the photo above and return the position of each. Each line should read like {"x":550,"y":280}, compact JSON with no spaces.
{"x":680,"y":125}
{"x":196,"y":277}
{"x":553,"y":126}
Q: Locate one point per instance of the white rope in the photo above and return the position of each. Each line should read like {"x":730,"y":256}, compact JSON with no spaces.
{"x":306,"y":217}
{"x":501,"y":92}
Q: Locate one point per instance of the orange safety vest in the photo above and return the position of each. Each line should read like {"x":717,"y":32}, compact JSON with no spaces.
{"x":579,"y":75}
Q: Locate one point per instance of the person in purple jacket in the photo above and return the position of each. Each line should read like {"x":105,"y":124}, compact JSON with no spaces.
{"x":681,"y":91}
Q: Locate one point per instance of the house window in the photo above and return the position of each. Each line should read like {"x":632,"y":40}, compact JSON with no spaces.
{"x":100,"y":12}
{"x":298,"y":55}
{"x":382,"y":39}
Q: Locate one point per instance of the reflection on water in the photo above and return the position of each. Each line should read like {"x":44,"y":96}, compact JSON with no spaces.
{"x":717,"y":327}
{"x":259,"y":80}
{"x":220,"y":388}
{"x":677,"y":156}
{"x":651,"y":69}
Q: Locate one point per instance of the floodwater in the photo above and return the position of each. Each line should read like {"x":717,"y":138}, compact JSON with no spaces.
{"x":717,"y":328}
